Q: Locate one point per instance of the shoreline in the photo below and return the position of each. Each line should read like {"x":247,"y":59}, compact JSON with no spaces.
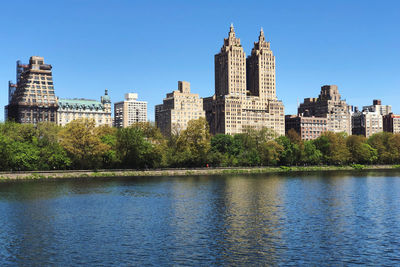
{"x":35,"y":175}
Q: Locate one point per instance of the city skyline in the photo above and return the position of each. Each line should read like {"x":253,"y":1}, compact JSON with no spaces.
{"x":346,"y":47}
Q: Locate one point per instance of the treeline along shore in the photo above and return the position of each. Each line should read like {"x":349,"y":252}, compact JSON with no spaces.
{"x":80,"y":145}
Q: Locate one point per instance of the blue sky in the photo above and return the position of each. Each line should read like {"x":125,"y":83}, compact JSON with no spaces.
{"x":147,"y":46}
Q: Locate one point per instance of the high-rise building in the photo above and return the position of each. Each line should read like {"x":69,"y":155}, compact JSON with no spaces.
{"x":378,"y":107}
{"x":329,"y":105}
{"x":72,"y":109}
{"x":32,"y":98}
{"x":129,"y":111}
{"x":391,"y":123}
{"x":308,"y":128}
{"x":178,"y":108}
{"x":367,"y":123}
{"x":371,"y":119}
{"x":245,"y":97}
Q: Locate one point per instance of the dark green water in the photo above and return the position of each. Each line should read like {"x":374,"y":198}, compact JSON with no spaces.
{"x":320,"y":219}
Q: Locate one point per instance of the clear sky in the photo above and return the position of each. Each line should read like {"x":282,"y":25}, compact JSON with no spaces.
{"x":147,"y":46}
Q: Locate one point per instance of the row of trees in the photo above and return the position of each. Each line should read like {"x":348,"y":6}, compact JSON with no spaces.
{"x":81,"y":145}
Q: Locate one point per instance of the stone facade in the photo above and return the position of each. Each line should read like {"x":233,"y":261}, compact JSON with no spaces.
{"x":378,"y":107}
{"x":308,"y":128}
{"x":391,"y":123}
{"x":129,"y":111}
{"x":245,"y":95}
{"x":367,"y":123}
{"x":72,"y":109}
{"x":370,"y":120}
{"x":178,"y":108}
{"x":329,"y":105}
{"x":32,"y":98}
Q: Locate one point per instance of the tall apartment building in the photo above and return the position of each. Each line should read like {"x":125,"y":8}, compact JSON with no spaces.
{"x":245,"y":94}
{"x":308,"y":128}
{"x":378,"y":107}
{"x":129,"y":111}
{"x":329,"y":105}
{"x":178,"y":108}
{"x":370,"y":120}
{"x":391,"y":123}
{"x":367,"y":123}
{"x":72,"y":109}
{"x":32,"y":98}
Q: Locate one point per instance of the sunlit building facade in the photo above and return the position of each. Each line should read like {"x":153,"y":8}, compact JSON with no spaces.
{"x":32,"y":99}
{"x":72,"y":109}
{"x":178,"y":108}
{"x":245,"y":94}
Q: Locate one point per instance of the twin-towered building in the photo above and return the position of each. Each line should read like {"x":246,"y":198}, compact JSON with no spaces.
{"x":245,"y":93}
{"x":245,"y":89}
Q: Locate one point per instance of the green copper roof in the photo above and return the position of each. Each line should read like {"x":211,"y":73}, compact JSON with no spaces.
{"x":79,"y":104}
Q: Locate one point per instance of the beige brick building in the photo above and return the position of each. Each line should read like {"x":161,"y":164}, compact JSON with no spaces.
{"x":178,"y":108}
{"x":129,"y":111}
{"x":391,"y":123}
{"x":308,"y":128}
{"x":329,"y":105}
{"x":72,"y":109}
{"x":370,"y":120}
{"x":367,"y":123}
{"x":245,"y":94}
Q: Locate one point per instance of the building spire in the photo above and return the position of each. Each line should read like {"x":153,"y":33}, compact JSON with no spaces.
{"x":261,"y":37}
{"x":231,"y":31}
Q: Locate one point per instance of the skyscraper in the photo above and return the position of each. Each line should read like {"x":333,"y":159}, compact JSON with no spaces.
{"x":32,"y":98}
{"x":178,"y":108}
{"x":244,"y":97}
{"x":129,"y":111}
{"x":329,"y":105}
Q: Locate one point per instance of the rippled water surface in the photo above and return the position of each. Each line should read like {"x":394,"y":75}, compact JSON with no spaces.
{"x":310,"y":219}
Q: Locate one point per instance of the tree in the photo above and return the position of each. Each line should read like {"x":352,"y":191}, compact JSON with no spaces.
{"x":290,"y":154}
{"x":333,"y":148}
{"x":222,"y":143}
{"x":311,"y":155}
{"x":108,"y":136}
{"x":270,"y":152}
{"x":381,"y":142}
{"x":360,"y":151}
{"x":193,"y":144}
{"x":83,"y":146}
{"x":394,"y":147}
{"x":134,"y":150}
{"x":5,"y":152}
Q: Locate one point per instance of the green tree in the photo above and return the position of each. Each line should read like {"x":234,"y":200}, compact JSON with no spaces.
{"x":381,"y":142}
{"x":134,"y":150}
{"x":270,"y":152}
{"x":193,"y":144}
{"x":333,"y":148}
{"x":360,"y":151}
{"x":291,"y":153}
{"x":394,"y":147}
{"x":82,"y":144}
{"x":311,"y":154}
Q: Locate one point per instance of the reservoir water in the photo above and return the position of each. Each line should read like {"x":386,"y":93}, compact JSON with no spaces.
{"x":318,"y":219}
